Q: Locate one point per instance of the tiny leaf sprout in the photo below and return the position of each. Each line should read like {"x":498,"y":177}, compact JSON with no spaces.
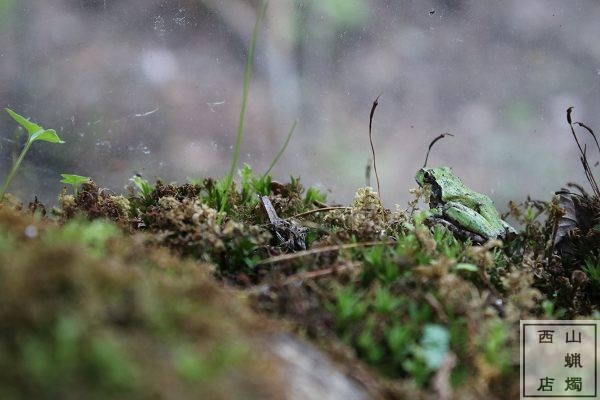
{"x":35,"y":133}
{"x":74,"y":181}
{"x":143,"y":185}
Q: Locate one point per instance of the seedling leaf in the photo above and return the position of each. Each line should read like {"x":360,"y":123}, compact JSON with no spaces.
{"x":74,"y":180}
{"x":71,"y":179}
{"x":143,"y":185}
{"x":35,"y":131}
{"x":48,"y":135}
{"x":31,"y":127}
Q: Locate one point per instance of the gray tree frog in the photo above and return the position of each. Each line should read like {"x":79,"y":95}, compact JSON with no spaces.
{"x":465,"y":212}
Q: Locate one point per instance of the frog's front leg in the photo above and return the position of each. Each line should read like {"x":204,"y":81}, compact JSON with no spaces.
{"x":468,"y":219}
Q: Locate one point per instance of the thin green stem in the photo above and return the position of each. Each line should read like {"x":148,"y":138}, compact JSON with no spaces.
{"x":287,"y":140}
{"x":240,"y":128}
{"x":14,"y":169}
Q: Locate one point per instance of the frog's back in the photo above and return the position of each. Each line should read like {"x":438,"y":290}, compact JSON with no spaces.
{"x":461,"y":193}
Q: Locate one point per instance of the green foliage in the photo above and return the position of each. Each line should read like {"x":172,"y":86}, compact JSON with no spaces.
{"x":74,"y":181}
{"x":239,"y":257}
{"x":314,"y":195}
{"x":143,"y":185}
{"x":380,"y":264}
{"x":93,"y":234}
{"x":406,"y":311}
{"x":447,"y":244}
{"x":197,"y":367}
{"x":35,"y":133}
{"x":101,"y":362}
{"x":551,"y":311}
{"x":242,"y":201}
{"x":349,"y":306}
{"x":385,"y":301}
{"x":592,"y":269}
{"x":86,"y":315}
{"x":494,"y":344}
{"x":144,"y":197}
{"x":253,"y":186}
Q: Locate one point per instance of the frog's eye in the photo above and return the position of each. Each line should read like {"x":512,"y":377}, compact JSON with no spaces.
{"x":427,"y":177}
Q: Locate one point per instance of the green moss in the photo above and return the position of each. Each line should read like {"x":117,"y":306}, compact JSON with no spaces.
{"x":89,"y":312}
{"x":412,"y":302}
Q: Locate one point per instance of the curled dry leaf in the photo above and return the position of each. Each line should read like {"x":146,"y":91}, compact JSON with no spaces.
{"x":568,"y":221}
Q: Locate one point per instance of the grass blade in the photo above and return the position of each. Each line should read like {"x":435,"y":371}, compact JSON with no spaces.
{"x":240,"y":128}
{"x":287,"y":140}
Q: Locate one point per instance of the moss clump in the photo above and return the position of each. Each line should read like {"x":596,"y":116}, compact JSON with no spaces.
{"x":419,"y":310}
{"x":87,"y":312}
{"x":95,"y":202}
{"x":191,"y":229}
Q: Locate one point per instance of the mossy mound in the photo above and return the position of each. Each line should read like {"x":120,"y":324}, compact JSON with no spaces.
{"x":123,"y":298}
{"x":86,"y":312}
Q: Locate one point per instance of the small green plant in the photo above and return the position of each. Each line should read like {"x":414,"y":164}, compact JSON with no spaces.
{"x":380,"y":265}
{"x":385,"y":302}
{"x":494,"y":344}
{"x":35,"y":133}
{"x":144,"y":198}
{"x":74,"y":180}
{"x":143,"y":185}
{"x":252,"y":185}
{"x":592,"y":270}
{"x":349,"y":307}
{"x":314,"y":195}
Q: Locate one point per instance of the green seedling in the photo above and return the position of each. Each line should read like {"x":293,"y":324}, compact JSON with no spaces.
{"x":36,"y":133}
{"x":252,"y":185}
{"x":314,"y":195}
{"x":74,"y":181}
{"x":143,"y":185}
